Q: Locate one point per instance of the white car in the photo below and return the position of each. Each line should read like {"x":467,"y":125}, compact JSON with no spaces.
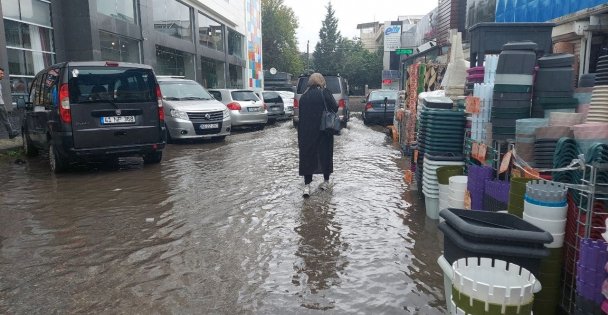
{"x":246,"y":109}
{"x":287,"y":102}
{"x":191,"y":112}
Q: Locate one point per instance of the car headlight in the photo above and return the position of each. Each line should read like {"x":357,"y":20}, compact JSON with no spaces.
{"x":226,"y":113}
{"x":179,"y":114}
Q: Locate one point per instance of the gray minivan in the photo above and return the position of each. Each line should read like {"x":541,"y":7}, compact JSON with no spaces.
{"x":94,"y":111}
{"x":338,"y":87}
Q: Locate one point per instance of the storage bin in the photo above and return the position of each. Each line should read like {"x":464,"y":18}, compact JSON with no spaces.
{"x":493,"y":235}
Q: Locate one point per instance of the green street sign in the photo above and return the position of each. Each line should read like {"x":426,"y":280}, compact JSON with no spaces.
{"x":404,"y":51}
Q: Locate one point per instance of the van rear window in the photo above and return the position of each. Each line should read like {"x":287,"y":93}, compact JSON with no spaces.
{"x":115,"y":84}
{"x":333,"y":84}
{"x":244,"y":96}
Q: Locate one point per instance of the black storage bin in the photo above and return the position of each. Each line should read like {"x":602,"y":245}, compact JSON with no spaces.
{"x":503,"y":236}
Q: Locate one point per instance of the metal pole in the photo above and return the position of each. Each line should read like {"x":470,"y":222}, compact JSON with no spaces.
{"x":307,"y":56}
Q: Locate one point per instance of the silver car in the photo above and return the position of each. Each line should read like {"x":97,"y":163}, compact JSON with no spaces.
{"x":274,"y":105}
{"x":287,"y":102}
{"x":191,"y":112}
{"x":246,"y":109}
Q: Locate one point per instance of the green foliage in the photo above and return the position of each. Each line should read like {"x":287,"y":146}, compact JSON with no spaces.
{"x":326,"y":51}
{"x":279,"y":44}
{"x":334,"y":54}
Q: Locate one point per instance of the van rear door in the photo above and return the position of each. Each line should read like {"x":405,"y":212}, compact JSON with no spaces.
{"x":113,"y":106}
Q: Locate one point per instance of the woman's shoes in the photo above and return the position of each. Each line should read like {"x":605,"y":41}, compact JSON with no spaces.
{"x":324,"y":185}
{"x":306,"y":192}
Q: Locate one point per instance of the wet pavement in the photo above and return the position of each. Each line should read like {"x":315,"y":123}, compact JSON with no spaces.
{"x":221,"y":228}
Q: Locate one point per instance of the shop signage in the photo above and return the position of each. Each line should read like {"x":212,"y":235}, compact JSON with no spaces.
{"x":392,"y":37}
{"x":404,"y":51}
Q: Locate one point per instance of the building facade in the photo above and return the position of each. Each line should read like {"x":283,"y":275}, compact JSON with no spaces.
{"x":215,"y":42}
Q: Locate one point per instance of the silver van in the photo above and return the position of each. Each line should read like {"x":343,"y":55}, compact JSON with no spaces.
{"x":338,"y":87}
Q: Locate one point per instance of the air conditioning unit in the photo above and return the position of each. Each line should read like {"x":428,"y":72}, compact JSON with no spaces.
{"x":426,"y":46}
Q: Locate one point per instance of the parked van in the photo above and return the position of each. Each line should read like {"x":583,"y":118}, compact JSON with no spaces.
{"x":94,"y":111}
{"x":338,"y":87}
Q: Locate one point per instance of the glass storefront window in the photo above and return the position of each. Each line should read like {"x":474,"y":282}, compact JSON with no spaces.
{"x":173,"y":18}
{"x":213,"y":73}
{"x":236,"y":77}
{"x":25,"y":62}
{"x":210,"y":32}
{"x":235,"y":44}
{"x":10,"y":9}
{"x":119,"y":9}
{"x":118,"y":48}
{"x":174,"y":62}
{"x":35,"y":11}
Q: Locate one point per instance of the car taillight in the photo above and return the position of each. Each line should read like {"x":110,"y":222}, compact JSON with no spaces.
{"x":368,"y":106}
{"x":342,"y":103}
{"x":234,"y":106}
{"x":296,"y":104}
{"x":64,"y":104}
{"x":159,"y":99}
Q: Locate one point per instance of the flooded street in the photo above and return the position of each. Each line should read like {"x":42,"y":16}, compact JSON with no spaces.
{"x":221,"y":228}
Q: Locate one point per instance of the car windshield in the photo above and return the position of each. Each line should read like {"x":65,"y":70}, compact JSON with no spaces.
{"x":89,"y":84}
{"x":285,"y":94}
{"x":380,"y":95}
{"x":183,"y":91}
{"x":244,"y":96}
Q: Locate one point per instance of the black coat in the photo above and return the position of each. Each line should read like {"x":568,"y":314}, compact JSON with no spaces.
{"x":316,"y":147}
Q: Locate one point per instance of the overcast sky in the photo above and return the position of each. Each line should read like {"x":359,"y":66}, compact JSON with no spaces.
{"x":311,"y":13}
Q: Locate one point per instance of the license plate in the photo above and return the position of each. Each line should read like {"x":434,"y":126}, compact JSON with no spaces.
{"x":209,"y":126}
{"x":117,"y":120}
{"x":253,"y":109}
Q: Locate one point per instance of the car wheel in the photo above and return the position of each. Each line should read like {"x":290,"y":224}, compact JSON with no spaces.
{"x":28,"y":147}
{"x":153,"y":158}
{"x":57,"y":163}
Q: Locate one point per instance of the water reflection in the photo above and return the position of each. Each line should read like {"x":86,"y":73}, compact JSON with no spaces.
{"x":319,"y":261}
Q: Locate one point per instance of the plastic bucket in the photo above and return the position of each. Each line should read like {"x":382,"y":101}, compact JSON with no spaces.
{"x":432,"y":207}
{"x":543,"y":212}
{"x":455,"y":203}
{"x":551,"y":226}
{"x":558,"y":240}
{"x":458,"y":182}
{"x":444,"y":173}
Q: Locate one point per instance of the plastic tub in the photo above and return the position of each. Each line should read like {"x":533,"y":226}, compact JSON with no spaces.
{"x":551,"y":226}
{"x":458,"y":182}
{"x":558,"y":240}
{"x":543,"y":212}
{"x":448,"y":276}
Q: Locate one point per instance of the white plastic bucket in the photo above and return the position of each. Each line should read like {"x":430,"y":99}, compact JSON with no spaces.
{"x":558,"y":241}
{"x":551,"y":226}
{"x":458,"y":182}
{"x":432,"y":207}
{"x":544,"y":212}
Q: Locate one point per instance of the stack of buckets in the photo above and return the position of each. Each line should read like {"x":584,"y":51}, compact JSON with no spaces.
{"x":478,"y":175}
{"x":444,"y":174}
{"x":553,"y":88}
{"x":457,"y":186}
{"x":545,"y":206}
{"x":430,"y":183}
{"x":524,"y":144}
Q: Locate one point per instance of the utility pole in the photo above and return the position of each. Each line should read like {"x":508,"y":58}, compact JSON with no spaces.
{"x":307,"y":56}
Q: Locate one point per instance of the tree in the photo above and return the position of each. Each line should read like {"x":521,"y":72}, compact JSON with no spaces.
{"x":279,"y":44}
{"x":326,"y":52}
{"x":359,"y":66}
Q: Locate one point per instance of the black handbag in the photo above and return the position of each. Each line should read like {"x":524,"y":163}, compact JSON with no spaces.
{"x":330,"y":121}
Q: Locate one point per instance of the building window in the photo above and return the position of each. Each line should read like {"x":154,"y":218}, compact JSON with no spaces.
{"x":235,"y":44}
{"x":118,"y":48}
{"x":236,"y":77}
{"x":174,"y":62}
{"x":29,"y":41}
{"x":213,"y":73}
{"x":173,"y":18}
{"x":119,"y":9}
{"x":210,"y":32}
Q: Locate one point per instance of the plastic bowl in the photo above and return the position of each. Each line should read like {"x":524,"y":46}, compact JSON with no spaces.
{"x":551,"y":226}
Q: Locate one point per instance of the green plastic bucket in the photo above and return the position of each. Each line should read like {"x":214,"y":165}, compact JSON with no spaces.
{"x":445,"y":172}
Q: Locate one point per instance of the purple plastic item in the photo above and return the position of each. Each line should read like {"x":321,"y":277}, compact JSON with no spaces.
{"x":498,"y":190}
{"x":593,"y":254}
{"x":476,"y":70}
{"x":476,"y":184}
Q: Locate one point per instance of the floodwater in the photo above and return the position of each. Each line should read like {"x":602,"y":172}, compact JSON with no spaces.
{"x":221,"y":228}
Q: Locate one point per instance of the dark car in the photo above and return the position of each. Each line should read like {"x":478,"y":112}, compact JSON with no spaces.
{"x":94,"y":111}
{"x":380,"y":107}
{"x":338,"y":87}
